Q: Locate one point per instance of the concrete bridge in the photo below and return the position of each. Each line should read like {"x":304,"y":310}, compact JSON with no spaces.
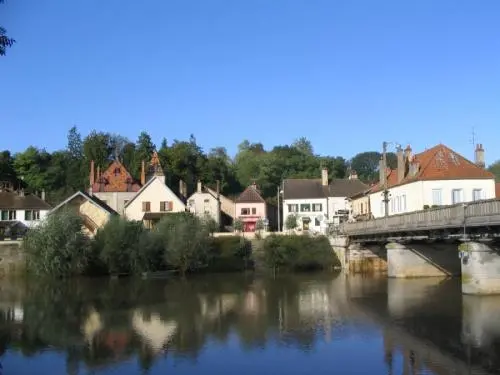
{"x":462,"y":239}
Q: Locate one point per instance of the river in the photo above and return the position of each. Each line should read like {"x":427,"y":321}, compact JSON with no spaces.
{"x":244,"y":324}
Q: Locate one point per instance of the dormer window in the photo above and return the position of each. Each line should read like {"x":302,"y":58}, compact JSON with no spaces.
{"x":117,"y":171}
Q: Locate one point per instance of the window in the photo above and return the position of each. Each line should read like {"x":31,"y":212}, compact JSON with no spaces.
{"x":146,"y":206}
{"x":30,"y":215}
{"x":317,"y":222}
{"x":317,"y":207}
{"x":5,"y":215}
{"x":398,"y":204}
{"x":245,"y":211}
{"x":436,"y":197}
{"x":305,"y":207}
{"x":165,"y":206}
{"x":477,"y":194}
{"x":117,"y":171}
{"x":456,"y":196}
{"x":254,"y":211}
{"x":293,"y":207}
{"x":403,"y":203}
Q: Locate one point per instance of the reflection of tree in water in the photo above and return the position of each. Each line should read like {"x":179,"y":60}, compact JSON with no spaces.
{"x":101,"y":322}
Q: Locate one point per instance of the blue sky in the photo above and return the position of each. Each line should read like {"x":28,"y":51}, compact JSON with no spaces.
{"x":345,"y":74}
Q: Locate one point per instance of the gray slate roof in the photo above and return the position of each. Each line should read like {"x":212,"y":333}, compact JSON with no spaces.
{"x":314,"y":189}
{"x":14,"y":201}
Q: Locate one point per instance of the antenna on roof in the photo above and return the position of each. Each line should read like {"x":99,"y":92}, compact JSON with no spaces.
{"x":473,"y":138}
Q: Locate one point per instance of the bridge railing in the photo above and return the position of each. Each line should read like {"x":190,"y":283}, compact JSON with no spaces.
{"x":476,"y":213}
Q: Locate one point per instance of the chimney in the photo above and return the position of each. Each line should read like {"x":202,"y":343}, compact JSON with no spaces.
{"x":43,"y":195}
{"x":198,"y":186}
{"x":143,"y":173}
{"x":381,"y":172}
{"x":21,"y":192}
{"x":98,"y":173}
{"x":479,"y":156}
{"x":324,"y":176}
{"x":401,"y":164}
{"x":414,"y":167}
{"x":408,"y":154}
{"x":353,"y":175}
{"x":92,"y":173}
{"x":182,"y":188}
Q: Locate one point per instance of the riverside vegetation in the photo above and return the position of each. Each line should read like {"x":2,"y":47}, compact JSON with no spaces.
{"x":179,"y":242}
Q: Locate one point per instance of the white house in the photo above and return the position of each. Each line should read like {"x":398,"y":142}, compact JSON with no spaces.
{"x":18,"y":208}
{"x":436,"y":177}
{"x":205,"y":202}
{"x":317,"y":203}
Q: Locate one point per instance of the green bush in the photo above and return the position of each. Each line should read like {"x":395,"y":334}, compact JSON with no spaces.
{"x":185,"y":241}
{"x":123,"y":246}
{"x":229,"y":253}
{"x":57,"y":246}
{"x":295,"y":253}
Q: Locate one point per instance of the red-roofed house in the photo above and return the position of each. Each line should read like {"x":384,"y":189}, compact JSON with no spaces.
{"x":436,"y":177}
{"x":250,"y":207}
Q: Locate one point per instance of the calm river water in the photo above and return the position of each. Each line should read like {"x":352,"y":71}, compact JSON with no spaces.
{"x":227,"y":324}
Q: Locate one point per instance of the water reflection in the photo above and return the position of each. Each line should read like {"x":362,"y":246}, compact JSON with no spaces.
{"x":224,"y":324}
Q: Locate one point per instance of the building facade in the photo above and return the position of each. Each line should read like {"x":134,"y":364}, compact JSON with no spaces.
{"x":250,"y":207}
{"x":204,"y":203}
{"x":436,"y":177}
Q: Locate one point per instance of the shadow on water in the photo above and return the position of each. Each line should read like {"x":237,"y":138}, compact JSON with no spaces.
{"x":420,"y":326}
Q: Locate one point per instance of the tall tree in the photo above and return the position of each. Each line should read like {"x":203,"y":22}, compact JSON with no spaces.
{"x":32,"y":167}
{"x":7,"y":172}
{"x":5,"y":41}
{"x":248,"y":162}
{"x":144,"y":147}
{"x":495,"y":169}
{"x":76,"y":169}
{"x":366,"y":164}
{"x":97,"y":146}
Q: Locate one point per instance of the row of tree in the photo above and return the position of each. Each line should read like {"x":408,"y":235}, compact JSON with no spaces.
{"x":62,"y":172}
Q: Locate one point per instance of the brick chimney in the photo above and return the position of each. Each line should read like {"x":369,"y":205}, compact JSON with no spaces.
{"x":479,"y":156}
{"x":401,"y":164}
{"x":381,"y":172}
{"x":414,"y":167}
{"x":408,"y":153}
{"x":92,"y":173}
{"x":324,"y":176}
{"x":143,"y":173}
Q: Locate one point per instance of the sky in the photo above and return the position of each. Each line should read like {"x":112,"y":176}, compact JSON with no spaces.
{"x":346,"y":74}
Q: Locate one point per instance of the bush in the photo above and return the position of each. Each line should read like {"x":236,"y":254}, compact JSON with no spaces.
{"x":238,"y":225}
{"x":123,"y":246}
{"x":57,"y":246}
{"x":291,"y":222}
{"x":229,"y":253}
{"x":297,"y":253}
{"x":185,"y":241}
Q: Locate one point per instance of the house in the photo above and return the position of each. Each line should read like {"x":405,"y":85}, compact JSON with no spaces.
{"x":250,"y":207}
{"x":360,"y":205}
{"x":115,"y":186}
{"x":436,"y":177}
{"x":19,"y":211}
{"x":318,"y":203}
{"x":204,"y":202}
{"x":94,"y":212}
{"x":155,"y":199}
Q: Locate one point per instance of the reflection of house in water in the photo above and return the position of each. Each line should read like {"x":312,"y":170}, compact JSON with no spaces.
{"x":218,"y":306}
{"x":91,"y":326}
{"x":153,"y":330}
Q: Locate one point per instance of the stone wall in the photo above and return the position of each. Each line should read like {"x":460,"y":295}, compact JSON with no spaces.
{"x":11,"y":258}
{"x":367,"y":258}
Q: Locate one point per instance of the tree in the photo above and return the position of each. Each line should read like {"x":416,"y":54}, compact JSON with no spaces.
{"x":144,"y":148}
{"x":248,"y":162}
{"x":495,"y":169}
{"x":32,"y":167}
{"x":259,"y":225}
{"x":76,"y":168}
{"x":5,"y":41}
{"x":238,"y":225}
{"x":291,"y":222}
{"x":97,"y":146}
{"x":7,"y":172}
{"x":210,"y":224}
{"x":366,"y":164}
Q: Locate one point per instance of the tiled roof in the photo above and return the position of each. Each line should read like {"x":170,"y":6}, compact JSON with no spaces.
{"x":84,"y":196}
{"x":314,"y":189}
{"x":116,"y":178}
{"x":250,"y":195}
{"x":14,"y":201}
{"x":438,"y":163}
{"x":497,"y":190}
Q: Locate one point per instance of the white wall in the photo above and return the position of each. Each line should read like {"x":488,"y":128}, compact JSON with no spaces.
{"x":198,"y":206}
{"x":28,"y":223}
{"x":337,"y":203}
{"x":312,"y":215}
{"x":414,"y":196}
{"x":116,"y":200}
{"x":155,"y":192}
{"x":260,"y":210}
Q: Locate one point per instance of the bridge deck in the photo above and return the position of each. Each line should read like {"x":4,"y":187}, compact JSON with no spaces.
{"x":477,"y":214}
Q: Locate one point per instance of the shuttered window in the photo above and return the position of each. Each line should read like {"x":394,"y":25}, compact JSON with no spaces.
{"x":146,"y":206}
{"x":166,"y":206}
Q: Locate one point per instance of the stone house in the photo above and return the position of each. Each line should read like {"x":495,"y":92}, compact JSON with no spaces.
{"x":94,"y":212}
{"x":250,"y":207}
{"x":436,"y":177}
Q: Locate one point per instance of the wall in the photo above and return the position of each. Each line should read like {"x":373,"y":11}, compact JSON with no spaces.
{"x":12,"y":259}
{"x":31,"y":223}
{"x":199,"y":208}
{"x":312,"y":215}
{"x":367,"y":258}
{"x":95,"y":213}
{"x":155,"y":193}
{"x":116,"y":200}
{"x":261,"y":211}
{"x":356,"y":206}
{"x":226,"y":204}
{"x":414,"y":199}
{"x":446,"y":186}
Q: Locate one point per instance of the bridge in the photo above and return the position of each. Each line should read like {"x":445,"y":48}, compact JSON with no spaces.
{"x":462,"y":239}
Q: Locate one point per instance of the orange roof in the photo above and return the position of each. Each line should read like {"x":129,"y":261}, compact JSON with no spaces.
{"x":116,"y":178}
{"x":438,"y":163}
{"x":497,"y":190}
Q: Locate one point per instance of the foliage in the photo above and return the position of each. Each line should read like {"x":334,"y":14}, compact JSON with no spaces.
{"x":185,"y":241}
{"x":259,"y":225}
{"x":123,"y":246}
{"x":295,"y":252}
{"x":210,"y":224}
{"x":366,"y":164}
{"x":238,"y":225}
{"x":495,"y":169}
{"x":57,"y":246}
{"x":5,"y":41}
{"x":229,"y":253}
{"x":291,"y":222}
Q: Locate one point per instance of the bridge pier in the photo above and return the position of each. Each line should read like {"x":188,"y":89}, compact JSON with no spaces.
{"x":421,"y":260}
{"x":480,"y":268}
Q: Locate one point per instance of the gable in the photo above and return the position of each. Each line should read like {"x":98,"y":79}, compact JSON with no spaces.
{"x":250,"y":195}
{"x":80,"y":197}
{"x":155,"y":190}
{"x":115,"y":178}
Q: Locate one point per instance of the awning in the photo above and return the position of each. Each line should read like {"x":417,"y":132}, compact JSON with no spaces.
{"x":154,"y":215}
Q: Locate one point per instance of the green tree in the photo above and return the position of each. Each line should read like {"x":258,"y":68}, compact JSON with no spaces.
{"x":77,"y":171}
{"x":238,"y":225}
{"x":495,"y":169}
{"x":210,"y":224}
{"x":248,"y":162}
{"x":219,"y":166}
{"x":5,"y":41}
{"x":7,"y":171}
{"x":366,"y":164}
{"x":259,"y":225}
{"x":32,"y":166}
{"x":291,"y":222}
{"x":97,"y":146}
{"x":144,"y":148}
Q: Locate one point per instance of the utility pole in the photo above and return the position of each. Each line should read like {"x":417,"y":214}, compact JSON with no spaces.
{"x":386,"y":191}
{"x":279,"y":214}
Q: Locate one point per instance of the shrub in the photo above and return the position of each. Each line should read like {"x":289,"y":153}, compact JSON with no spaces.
{"x":210,"y":224}
{"x":238,"y":225}
{"x":123,"y":246}
{"x":291,"y":222}
{"x":185,"y":241}
{"x":57,"y":246}
{"x":296,"y":253}
{"x":229,"y":253}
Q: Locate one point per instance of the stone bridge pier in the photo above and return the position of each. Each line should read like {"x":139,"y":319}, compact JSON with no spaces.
{"x":480,"y":263}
